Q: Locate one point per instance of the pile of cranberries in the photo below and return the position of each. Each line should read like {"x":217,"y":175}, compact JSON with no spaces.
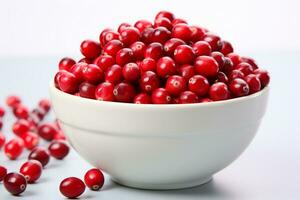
{"x":28,"y":130}
{"x":164,"y":62}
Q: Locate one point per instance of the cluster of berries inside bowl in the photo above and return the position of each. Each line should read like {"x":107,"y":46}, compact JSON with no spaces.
{"x":164,"y":62}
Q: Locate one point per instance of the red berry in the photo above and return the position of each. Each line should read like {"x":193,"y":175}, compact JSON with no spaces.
{"x":76,"y":70}
{"x":149,"y":81}
{"x":253,"y":82}
{"x":114,"y":74}
{"x":108,"y":35}
{"x":245,"y":68}
{"x":238,"y":87}
{"x":142,"y":25}
{"x":146,"y":35}
{"x":123,"y":26}
{"x":163,"y":22}
{"x":218,"y":91}
{"x":171,"y":45}
{"x":124,"y":56}
{"x":90,"y":49}
{"x":263,"y":76}
{"x":226,"y":48}
{"x":165,"y":14}
{"x":206,"y":66}
{"x":214,"y":41}
{"x":72,"y":187}
{"x":92,"y":73}
{"x":112,"y":47}
{"x":219,"y":57}
{"x":94,"y":179}
{"x":186,"y":71}
{"x":148,"y":64}
{"x":2,"y":140}
{"x":3,"y":172}
{"x":47,"y":131}
{"x":40,"y":154}
{"x":32,"y":170}
{"x":182,"y":31}
{"x":235,"y":58}
{"x":236,"y":74}
{"x":201,"y":48}
{"x":165,"y":67}
{"x":21,"y":126}
{"x":142,"y":98}
{"x":160,"y":35}
{"x":13,"y":101}
{"x":104,"y":92}
{"x":221,"y":77}
{"x":199,"y":85}
{"x":131,"y":72}
{"x":14,"y":148}
{"x":184,"y":54}
{"x":188,"y":97}
{"x":105,"y":61}
{"x":45,"y":104}
{"x":21,"y":112}
{"x":66,"y":63}
{"x":67,"y":82}
{"x":175,"y":85}
{"x":58,"y":149}
{"x":154,"y":51}
{"x":129,"y":35}
{"x":197,"y":33}
{"x":15,"y":183}
{"x":250,"y":61}
{"x":31,"y":139}
{"x":161,"y":96}
{"x":138,"y":49}
{"x":87,"y":90}
{"x":124,"y":92}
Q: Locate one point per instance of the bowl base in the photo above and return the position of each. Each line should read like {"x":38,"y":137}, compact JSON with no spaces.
{"x":146,"y":186}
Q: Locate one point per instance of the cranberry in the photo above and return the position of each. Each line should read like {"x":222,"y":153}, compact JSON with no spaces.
{"x":165,"y":14}
{"x":15,"y":183}
{"x":32,"y":170}
{"x":90,"y":49}
{"x":123,"y":26}
{"x":197,"y":33}
{"x":214,"y":41}
{"x":76,"y":70}
{"x":199,"y":85}
{"x":184,"y":54}
{"x":235,"y":58}
{"x":219,"y":57}
{"x":13,"y":101}
{"x":21,"y":126}
{"x":165,"y":67}
{"x":138,"y":49}
{"x":14,"y":148}
{"x":108,"y":35}
{"x":221,"y":77}
{"x":226,"y":48}
{"x":87,"y":90}
{"x":104,"y":92}
{"x":218,"y":91}
{"x":186,"y":71}
{"x":66,"y":63}
{"x":201,"y":48}
{"x":47,"y":131}
{"x":67,"y":82}
{"x":2,"y":140}
{"x":72,"y":187}
{"x":178,"y":21}
{"x":238,"y":87}
{"x":40,"y":154}
{"x":31,"y":140}
{"x":171,"y":45}
{"x":146,"y":35}
{"x":3,"y":172}
{"x":124,"y":92}
{"x":58,"y":149}
{"x":114,"y":74}
{"x":163,"y":22}
{"x":250,"y":61}
{"x":94,"y":179}
{"x":188,"y":97}
{"x":263,"y":76}
{"x":161,"y":96}
{"x":92,"y":73}
{"x":253,"y":82}
{"x":105,"y":61}
{"x":182,"y":31}
{"x":160,"y":35}
{"x":154,"y":50}
{"x":142,"y":25}
{"x":149,"y":81}
{"x":112,"y":47}
{"x":148,"y":64}
{"x":245,"y":68}
{"x":131,"y":72}
{"x":205,"y":100}
{"x":21,"y":112}
{"x":129,"y":35}
{"x":45,"y":104}
{"x":227,"y":67}
{"x":124,"y":56}
{"x":142,"y":98}
{"x":175,"y":85}
{"x":236,"y":74}
{"x":206,"y":66}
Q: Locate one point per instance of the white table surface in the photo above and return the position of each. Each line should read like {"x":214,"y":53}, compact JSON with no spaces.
{"x":268,"y":169}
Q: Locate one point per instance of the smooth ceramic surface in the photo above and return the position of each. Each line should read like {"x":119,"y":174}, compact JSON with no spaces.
{"x":159,"y":146}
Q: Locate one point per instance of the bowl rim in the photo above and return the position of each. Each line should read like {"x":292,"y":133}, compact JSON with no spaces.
{"x":52,"y":88}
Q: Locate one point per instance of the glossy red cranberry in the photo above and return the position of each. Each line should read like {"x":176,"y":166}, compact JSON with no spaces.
{"x":148,"y":64}
{"x":250,"y":61}
{"x":3,"y":172}
{"x":123,"y":26}
{"x":76,"y":70}
{"x":15,"y":183}
{"x":72,"y":187}
{"x":142,"y":25}
{"x":66,"y":63}
{"x":67,"y":82}
{"x":21,"y":126}
{"x":45,"y":104}
{"x":92,"y":73}
{"x":219,"y":57}
{"x":236,"y":74}
{"x":199,"y":85}
{"x":182,"y":31}
{"x":188,"y":97}
{"x":47,"y":131}
{"x":214,"y":41}
{"x":124,"y":92}
{"x":221,"y":77}
{"x":161,"y":96}
{"x":218,"y":91}
{"x":114,"y":74}
{"x":163,"y":22}
{"x":13,"y":101}
{"x":238,"y":87}
{"x":253,"y":82}
{"x":186,"y":71}
{"x":154,"y":51}
{"x":90,"y":49}
{"x":165,"y":14}
{"x":205,"y":100}
{"x":112,"y":47}
{"x":171,"y":45}
{"x":105,"y":61}
{"x":31,"y":140}
{"x":87,"y":90}
{"x":184,"y":54}
{"x":131,"y":72}
{"x":178,"y":21}
{"x":197,"y":33}
{"x":58,"y":149}
{"x":146,"y":35}
{"x":138,"y":49}
{"x":124,"y":56}
{"x":226,"y":48}
{"x":21,"y":112}
{"x":31,"y":170}
{"x":94,"y":179}
{"x":14,"y":148}
{"x":142,"y":98}
{"x":104,"y":92}
{"x":2,"y":140}
{"x":201,"y":48}
{"x":263,"y":76}
{"x":235,"y":58}
{"x":165,"y":67}
{"x":227,"y":67}
{"x":130,"y":35}
{"x":160,"y":35}
{"x":108,"y":35}
{"x":245,"y":68}
{"x":206,"y":66}
{"x":40,"y":154}
{"x":149,"y":81}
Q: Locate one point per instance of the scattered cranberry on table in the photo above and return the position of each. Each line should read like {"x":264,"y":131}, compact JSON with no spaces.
{"x":94,"y":179}
{"x":31,"y":170}
{"x":3,"y":172}
{"x":72,"y":187}
{"x":58,"y":149}
{"x":14,"y":148}
{"x":40,"y":154}
{"x":15,"y":183}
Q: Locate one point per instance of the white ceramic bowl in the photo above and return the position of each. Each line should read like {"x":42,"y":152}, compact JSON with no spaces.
{"x":159,"y":146}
